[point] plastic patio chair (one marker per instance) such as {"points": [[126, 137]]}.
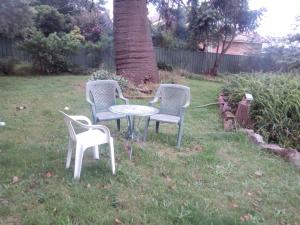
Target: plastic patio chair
{"points": [[94, 136], [174, 99], [101, 94]]}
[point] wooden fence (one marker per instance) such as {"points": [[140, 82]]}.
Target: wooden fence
{"points": [[192, 61]]}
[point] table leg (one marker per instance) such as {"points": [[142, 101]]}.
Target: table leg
{"points": [[131, 132]]}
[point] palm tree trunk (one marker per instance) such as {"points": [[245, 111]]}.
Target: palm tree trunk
{"points": [[134, 52]]}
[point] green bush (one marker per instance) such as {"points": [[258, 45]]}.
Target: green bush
{"points": [[276, 107], [7, 65], [23, 69], [48, 20], [106, 75], [51, 54]]}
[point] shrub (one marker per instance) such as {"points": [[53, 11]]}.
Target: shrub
{"points": [[49, 20], [106, 75], [164, 66], [23, 69], [50, 54], [7, 65], [275, 110]]}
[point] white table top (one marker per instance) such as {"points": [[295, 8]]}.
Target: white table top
{"points": [[133, 110]]}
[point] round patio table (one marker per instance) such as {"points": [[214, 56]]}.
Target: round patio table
{"points": [[133, 111]]}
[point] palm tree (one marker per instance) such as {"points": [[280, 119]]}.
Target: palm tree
{"points": [[134, 52]]}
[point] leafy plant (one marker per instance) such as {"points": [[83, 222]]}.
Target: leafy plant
{"points": [[276, 106], [49, 20], [50, 54], [7, 65], [106, 75]]}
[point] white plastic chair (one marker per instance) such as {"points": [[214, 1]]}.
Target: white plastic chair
{"points": [[94, 136]]}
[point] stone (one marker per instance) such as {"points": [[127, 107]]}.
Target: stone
{"points": [[257, 139], [243, 114], [228, 124]]}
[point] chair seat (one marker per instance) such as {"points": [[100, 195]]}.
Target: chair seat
{"points": [[91, 138], [165, 118], [102, 116]]}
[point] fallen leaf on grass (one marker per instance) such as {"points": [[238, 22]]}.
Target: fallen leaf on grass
{"points": [[48, 174], [258, 173], [246, 217], [117, 221], [233, 205], [197, 148], [15, 179], [250, 194]]}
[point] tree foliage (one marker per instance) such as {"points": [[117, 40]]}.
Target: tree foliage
{"points": [[15, 16], [49, 20], [220, 21], [50, 53], [94, 24], [286, 51]]}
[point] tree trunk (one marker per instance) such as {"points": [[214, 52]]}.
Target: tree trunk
{"points": [[134, 52]]}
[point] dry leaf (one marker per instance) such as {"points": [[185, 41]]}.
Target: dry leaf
{"points": [[233, 205], [117, 221], [48, 174], [246, 217], [15, 179], [250, 194], [197, 148], [258, 173]]}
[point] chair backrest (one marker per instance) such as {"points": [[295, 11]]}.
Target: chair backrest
{"points": [[68, 120], [102, 93], [172, 98]]}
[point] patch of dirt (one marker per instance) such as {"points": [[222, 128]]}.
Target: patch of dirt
{"points": [[12, 220], [172, 154]]}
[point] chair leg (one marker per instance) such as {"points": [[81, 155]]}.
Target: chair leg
{"points": [[96, 152], [179, 136], [112, 155], [146, 129], [156, 126], [69, 155], [78, 161], [119, 124]]}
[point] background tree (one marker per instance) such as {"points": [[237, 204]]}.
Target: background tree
{"points": [[15, 16], [220, 21], [286, 51], [49, 20], [134, 52]]}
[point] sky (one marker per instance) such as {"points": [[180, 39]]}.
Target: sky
{"points": [[277, 21]]}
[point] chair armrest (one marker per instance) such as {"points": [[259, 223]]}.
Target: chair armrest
{"points": [[183, 108], [151, 103], [82, 118], [124, 99], [102, 128], [90, 102]]}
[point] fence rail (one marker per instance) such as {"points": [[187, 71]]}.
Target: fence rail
{"points": [[192, 61]]}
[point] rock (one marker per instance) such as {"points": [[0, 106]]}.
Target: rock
{"points": [[228, 115], [226, 108], [243, 114], [257, 139], [272, 147], [228, 124]]}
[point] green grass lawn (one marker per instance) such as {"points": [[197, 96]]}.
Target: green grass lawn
{"points": [[211, 180]]}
